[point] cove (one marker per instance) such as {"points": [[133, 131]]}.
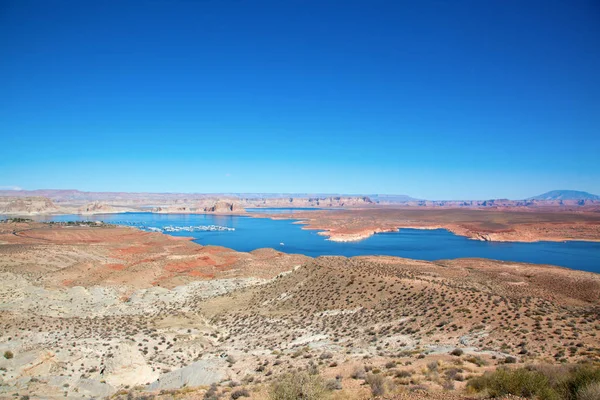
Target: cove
{"points": [[284, 235]]}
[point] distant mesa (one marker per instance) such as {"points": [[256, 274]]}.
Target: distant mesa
{"points": [[26, 205], [49, 201], [565, 195], [96, 207], [224, 207]]}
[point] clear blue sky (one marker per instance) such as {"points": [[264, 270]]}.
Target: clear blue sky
{"points": [[435, 99]]}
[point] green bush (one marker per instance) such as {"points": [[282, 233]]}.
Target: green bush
{"points": [[518, 382], [298, 386], [543, 382], [8, 354], [577, 379]]}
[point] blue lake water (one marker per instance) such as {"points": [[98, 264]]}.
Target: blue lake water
{"points": [[253, 233]]}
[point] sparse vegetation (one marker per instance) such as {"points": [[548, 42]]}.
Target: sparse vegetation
{"points": [[239, 393], [334, 384], [457, 352], [548, 383], [358, 373], [377, 383], [477, 360], [298, 386]]}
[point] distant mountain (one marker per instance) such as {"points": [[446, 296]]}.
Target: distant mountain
{"points": [[565, 195]]}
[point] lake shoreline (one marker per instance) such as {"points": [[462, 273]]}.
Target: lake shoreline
{"points": [[247, 233]]}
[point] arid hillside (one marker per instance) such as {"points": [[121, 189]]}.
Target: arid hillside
{"points": [[58, 255]]}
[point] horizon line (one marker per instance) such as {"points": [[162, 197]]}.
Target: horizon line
{"points": [[285, 194]]}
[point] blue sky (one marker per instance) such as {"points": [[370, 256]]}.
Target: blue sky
{"points": [[435, 99]]}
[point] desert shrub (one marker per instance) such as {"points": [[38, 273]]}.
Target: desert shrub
{"points": [[454, 374], [448, 385], [313, 369], [403, 374], [390, 364], [211, 393], [589, 392], [333, 384], [358, 373], [377, 384], [457, 352], [545, 383], [419, 388], [240, 393], [8, 354], [578, 378], [432, 366], [480, 362], [298, 386], [518, 382]]}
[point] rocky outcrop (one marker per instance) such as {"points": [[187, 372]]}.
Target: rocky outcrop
{"points": [[128, 367], [224, 207], [27, 206], [199, 373], [98, 208]]}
